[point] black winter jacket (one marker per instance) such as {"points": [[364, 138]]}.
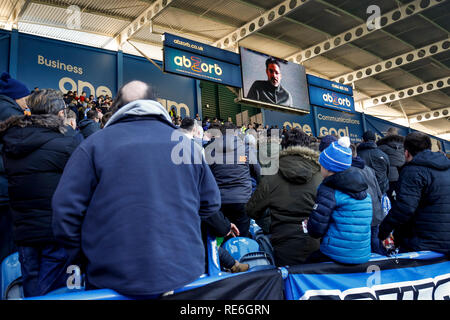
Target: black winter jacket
{"points": [[378, 161], [373, 189], [290, 195], [393, 147], [34, 153], [228, 159], [420, 217], [8, 108]]}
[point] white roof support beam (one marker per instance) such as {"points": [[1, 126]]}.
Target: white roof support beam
{"points": [[362, 30], [431, 115], [259, 22], [398, 61], [145, 17], [407, 93], [17, 12]]}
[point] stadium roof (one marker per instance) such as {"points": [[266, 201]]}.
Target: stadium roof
{"points": [[398, 64]]}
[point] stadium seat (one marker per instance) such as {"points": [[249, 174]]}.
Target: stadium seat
{"points": [[239, 246], [11, 274], [254, 259]]}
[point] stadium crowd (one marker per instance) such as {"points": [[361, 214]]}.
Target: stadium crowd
{"points": [[128, 191]]}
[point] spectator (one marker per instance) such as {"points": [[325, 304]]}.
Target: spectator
{"points": [[118, 225], [13, 95], [343, 211], [375, 193], [420, 216], [290, 196], [91, 124], [228, 160], [392, 145], [105, 119], [35, 153], [71, 126], [192, 130], [376, 159]]}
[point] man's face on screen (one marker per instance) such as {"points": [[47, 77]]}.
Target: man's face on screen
{"points": [[274, 74]]}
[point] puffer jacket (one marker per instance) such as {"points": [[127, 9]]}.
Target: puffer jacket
{"points": [[8, 108], [420, 217], [228, 159], [378, 161], [393, 147], [35, 153], [290, 195], [373, 189], [342, 215]]}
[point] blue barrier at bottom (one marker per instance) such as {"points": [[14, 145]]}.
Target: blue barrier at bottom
{"points": [[421, 275], [410, 276]]}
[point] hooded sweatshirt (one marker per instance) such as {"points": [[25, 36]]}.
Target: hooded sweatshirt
{"points": [[131, 209]]}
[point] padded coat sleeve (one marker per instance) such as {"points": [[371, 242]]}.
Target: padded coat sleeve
{"points": [[409, 192], [260, 200], [320, 216]]}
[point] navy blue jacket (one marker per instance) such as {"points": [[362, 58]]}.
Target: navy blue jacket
{"points": [[88, 127], [420, 217], [378, 161], [35, 153], [229, 163], [8, 108], [342, 216], [131, 209]]}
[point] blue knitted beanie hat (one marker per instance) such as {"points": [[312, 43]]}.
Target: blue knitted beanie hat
{"points": [[337, 156]]}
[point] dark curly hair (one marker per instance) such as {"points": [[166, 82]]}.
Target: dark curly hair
{"points": [[297, 137]]}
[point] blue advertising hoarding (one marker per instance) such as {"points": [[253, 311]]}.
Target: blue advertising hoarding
{"points": [[326, 98], [4, 51], [203, 68], [289, 120], [339, 123], [183, 99], [330, 85], [380, 127], [200, 61], [200, 48], [46, 63]]}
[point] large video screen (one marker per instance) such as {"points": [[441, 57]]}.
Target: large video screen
{"points": [[273, 81]]}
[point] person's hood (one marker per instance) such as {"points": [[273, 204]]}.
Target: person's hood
{"points": [[140, 108], [85, 122], [298, 164], [22, 135], [367, 145], [393, 141], [349, 181], [435, 160], [358, 162]]}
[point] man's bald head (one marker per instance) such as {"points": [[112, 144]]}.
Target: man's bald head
{"points": [[132, 91]]}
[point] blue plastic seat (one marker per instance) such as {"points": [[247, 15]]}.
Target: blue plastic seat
{"points": [[10, 271], [240, 246]]}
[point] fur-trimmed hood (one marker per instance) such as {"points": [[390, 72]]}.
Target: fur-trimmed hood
{"points": [[24, 134], [299, 164]]}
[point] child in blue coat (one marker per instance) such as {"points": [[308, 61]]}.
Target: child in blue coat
{"points": [[343, 211]]}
